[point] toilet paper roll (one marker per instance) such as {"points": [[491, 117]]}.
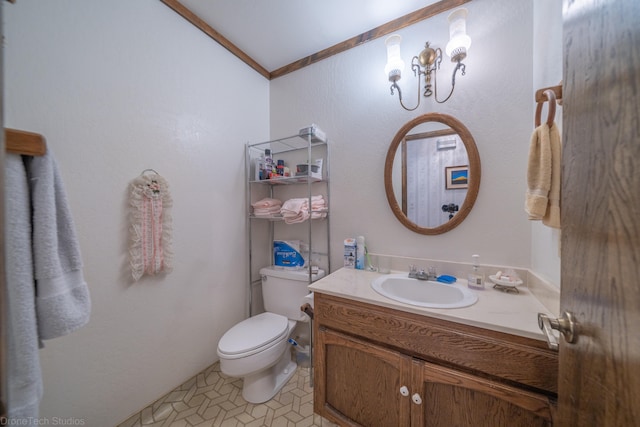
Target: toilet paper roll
{"points": [[308, 299]]}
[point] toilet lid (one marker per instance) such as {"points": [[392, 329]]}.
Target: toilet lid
{"points": [[254, 333]]}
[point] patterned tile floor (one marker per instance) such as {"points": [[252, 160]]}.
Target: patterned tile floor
{"points": [[213, 399]]}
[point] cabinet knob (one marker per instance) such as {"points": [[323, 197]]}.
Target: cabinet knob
{"points": [[404, 390], [416, 399]]}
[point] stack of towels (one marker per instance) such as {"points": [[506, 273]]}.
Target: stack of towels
{"points": [[293, 210], [267, 207], [298, 210]]}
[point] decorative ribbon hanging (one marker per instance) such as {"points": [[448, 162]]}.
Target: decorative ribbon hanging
{"points": [[150, 225]]}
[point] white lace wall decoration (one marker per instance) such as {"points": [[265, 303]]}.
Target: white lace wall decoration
{"points": [[150, 226]]}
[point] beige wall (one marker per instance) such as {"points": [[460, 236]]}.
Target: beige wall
{"points": [[348, 97], [117, 87], [547, 54], [120, 86]]}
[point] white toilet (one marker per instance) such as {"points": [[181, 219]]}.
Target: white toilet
{"points": [[257, 348]]}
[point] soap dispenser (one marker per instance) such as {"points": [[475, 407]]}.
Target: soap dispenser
{"points": [[475, 279]]}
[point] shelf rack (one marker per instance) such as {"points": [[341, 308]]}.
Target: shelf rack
{"points": [[293, 149]]}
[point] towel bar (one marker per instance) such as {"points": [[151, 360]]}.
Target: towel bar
{"points": [[550, 95]]}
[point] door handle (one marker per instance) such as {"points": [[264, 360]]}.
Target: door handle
{"points": [[566, 325]]}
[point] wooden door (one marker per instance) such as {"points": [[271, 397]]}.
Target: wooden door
{"points": [[359, 383], [3, 302], [600, 374], [452, 398]]}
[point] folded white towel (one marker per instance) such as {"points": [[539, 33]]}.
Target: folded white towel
{"points": [[46, 291], [302, 204], [267, 203], [296, 210], [24, 379], [267, 210], [301, 217], [272, 211], [294, 206], [267, 207], [63, 304]]}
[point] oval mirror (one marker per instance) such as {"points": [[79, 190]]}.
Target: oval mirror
{"points": [[432, 173]]}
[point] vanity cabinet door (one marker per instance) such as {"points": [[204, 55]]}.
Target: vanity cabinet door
{"points": [[453, 398], [358, 383]]}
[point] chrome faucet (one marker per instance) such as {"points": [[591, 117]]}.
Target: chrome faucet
{"points": [[413, 273], [421, 274]]}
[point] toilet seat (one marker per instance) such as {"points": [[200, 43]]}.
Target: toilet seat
{"points": [[253, 335]]}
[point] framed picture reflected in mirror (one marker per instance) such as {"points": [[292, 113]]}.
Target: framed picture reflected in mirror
{"points": [[456, 177]]}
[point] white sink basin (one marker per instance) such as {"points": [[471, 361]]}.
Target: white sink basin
{"points": [[423, 293]]}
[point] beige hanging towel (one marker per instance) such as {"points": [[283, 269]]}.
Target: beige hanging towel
{"points": [[150, 230], [538, 173], [552, 215], [543, 176]]}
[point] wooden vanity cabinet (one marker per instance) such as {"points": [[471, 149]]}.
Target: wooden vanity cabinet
{"points": [[379, 367]]}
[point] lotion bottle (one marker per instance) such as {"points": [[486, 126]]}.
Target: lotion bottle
{"points": [[268, 164], [475, 279], [360, 253]]}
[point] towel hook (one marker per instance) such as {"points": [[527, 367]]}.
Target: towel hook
{"points": [[551, 97]]}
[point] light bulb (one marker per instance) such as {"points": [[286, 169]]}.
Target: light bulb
{"points": [[395, 65], [459, 41]]}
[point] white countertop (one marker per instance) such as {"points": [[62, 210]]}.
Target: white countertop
{"points": [[515, 314]]}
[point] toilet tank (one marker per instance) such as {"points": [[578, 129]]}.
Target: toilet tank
{"points": [[283, 290]]}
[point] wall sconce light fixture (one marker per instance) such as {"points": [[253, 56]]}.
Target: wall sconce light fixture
{"points": [[428, 61]]}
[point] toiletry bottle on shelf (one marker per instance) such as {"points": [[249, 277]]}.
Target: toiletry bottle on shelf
{"points": [[259, 168], [475, 279], [268, 163], [360, 253]]}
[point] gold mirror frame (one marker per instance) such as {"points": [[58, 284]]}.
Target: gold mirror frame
{"points": [[474, 172]]}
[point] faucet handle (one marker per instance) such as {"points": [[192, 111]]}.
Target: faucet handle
{"points": [[412, 271]]}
